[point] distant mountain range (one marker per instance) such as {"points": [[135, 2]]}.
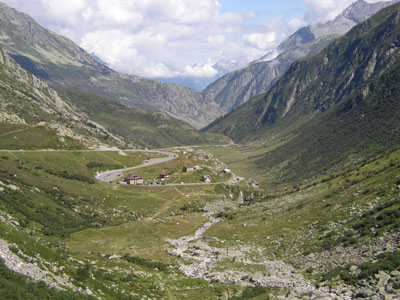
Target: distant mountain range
{"points": [[69, 118], [338, 105], [60, 62], [198, 83]]}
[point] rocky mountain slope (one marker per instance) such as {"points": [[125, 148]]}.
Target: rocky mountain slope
{"points": [[59, 61], [145, 129], [29, 102], [70, 118], [341, 102], [237, 87]]}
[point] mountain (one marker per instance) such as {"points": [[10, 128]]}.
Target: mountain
{"points": [[198, 83], [33, 115], [339, 105], [59, 61], [239, 86], [144, 129], [63, 118]]}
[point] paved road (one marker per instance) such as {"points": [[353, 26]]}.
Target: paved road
{"points": [[110, 176], [114, 174]]}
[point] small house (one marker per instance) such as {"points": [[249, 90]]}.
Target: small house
{"points": [[197, 168], [134, 178], [226, 171], [206, 179], [165, 176], [188, 169]]}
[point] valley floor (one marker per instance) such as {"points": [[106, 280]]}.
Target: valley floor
{"points": [[334, 237]]}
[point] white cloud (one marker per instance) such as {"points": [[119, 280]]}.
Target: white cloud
{"points": [[260, 40], [146, 37], [205, 71], [216, 40], [164, 37], [325, 10]]}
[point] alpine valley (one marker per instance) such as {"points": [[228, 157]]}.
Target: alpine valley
{"points": [[293, 194]]}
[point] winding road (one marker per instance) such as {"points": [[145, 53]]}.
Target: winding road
{"points": [[110, 176]]}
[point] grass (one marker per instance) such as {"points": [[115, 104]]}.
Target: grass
{"points": [[145, 239], [295, 220], [53, 185], [70, 217], [15, 287], [330, 122], [23, 137], [90, 222], [8, 128]]}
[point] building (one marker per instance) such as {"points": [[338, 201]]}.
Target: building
{"points": [[188, 169], [197, 168], [134, 178], [165, 176], [206, 179], [226, 171]]}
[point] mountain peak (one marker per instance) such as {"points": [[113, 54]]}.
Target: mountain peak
{"points": [[361, 10]]}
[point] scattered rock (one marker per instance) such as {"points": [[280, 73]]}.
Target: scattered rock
{"points": [[14, 223], [364, 293], [210, 239], [16, 264]]}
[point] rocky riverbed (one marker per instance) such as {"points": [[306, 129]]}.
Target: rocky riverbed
{"points": [[197, 259]]}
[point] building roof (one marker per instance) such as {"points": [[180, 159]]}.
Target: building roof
{"points": [[133, 176]]}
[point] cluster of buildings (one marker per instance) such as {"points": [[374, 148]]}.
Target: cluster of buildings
{"points": [[136, 179]]}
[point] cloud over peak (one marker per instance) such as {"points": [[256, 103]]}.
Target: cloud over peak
{"points": [[168, 38]]}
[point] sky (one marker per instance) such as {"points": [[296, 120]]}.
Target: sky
{"points": [[171, 38]]}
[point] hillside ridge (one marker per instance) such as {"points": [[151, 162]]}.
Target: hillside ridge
{"points": [[237, 87], [59, 61]]}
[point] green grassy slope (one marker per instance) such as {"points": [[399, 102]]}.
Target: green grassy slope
{"points": [[77, 224], [325, 227], [341, 102], [33, 116]]}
